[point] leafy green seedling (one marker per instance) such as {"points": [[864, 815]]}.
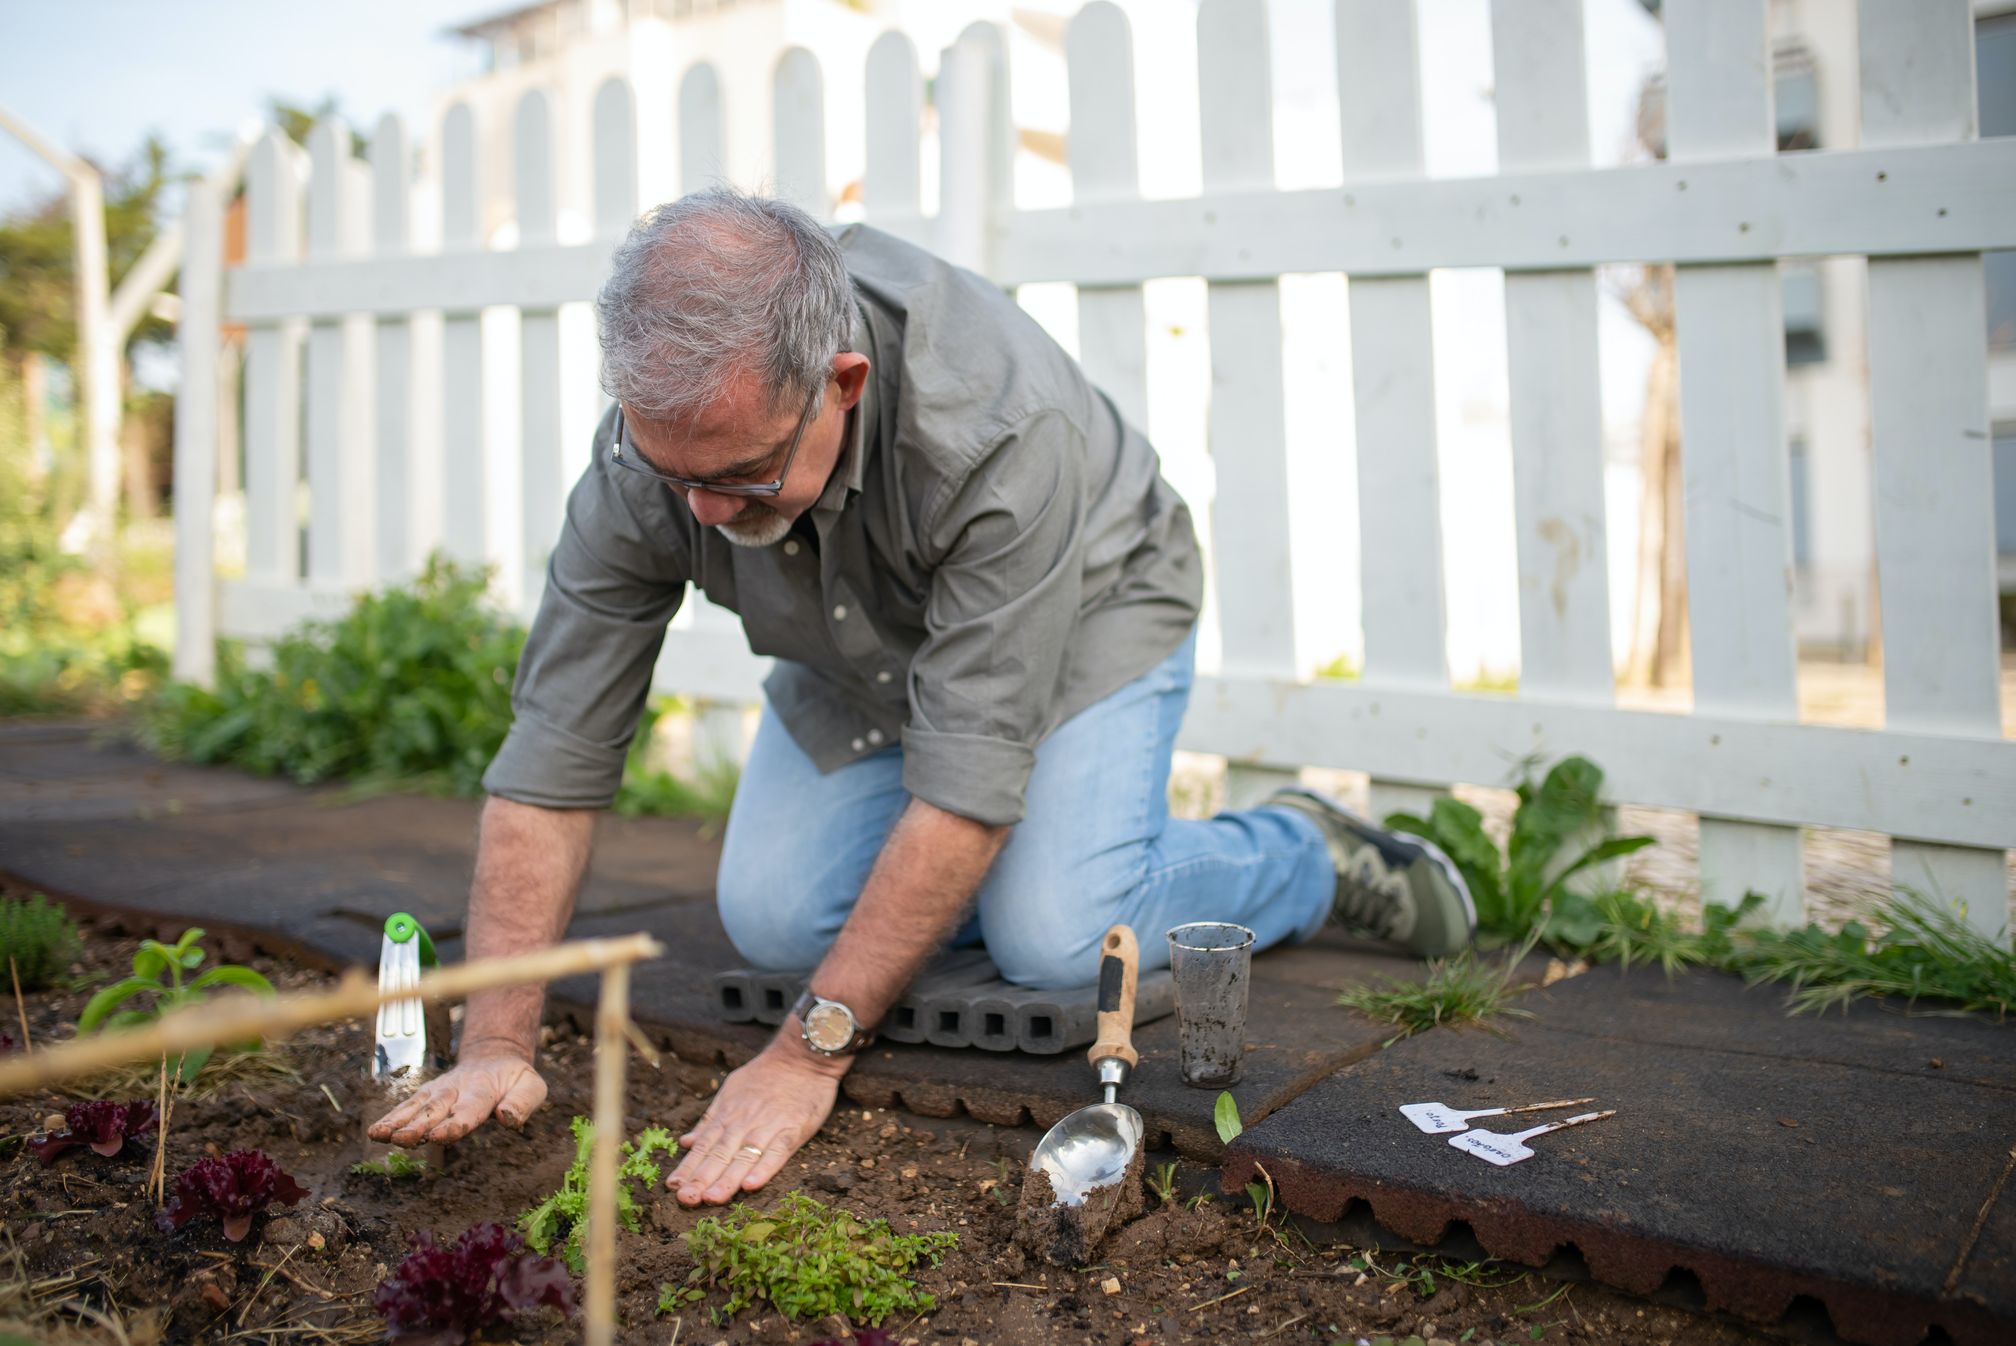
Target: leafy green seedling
{"points": [[397, 1164], [1225, 1116], [1163, 1183], [158, 972], [564, 1214], [808, 1260]]}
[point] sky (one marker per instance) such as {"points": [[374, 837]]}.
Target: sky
{"points": [[96, 75]]}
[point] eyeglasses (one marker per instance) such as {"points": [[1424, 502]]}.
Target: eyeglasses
{"points": [[624, 454]]}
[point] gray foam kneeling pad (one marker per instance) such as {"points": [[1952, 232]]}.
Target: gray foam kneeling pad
{"points": [[960, 1000]]}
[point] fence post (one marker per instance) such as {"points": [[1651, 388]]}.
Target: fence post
{"points": [[889, 183], [339, 462], [545, 491], [974, 146], [199, 336], [1731, 332], [1393, 379], [798, 122], [1251, 553], [391, 236], [273, 374], [1928, 395], [464, 460]]}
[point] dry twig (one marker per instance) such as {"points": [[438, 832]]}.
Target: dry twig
{"points": [[1220, 1300]]}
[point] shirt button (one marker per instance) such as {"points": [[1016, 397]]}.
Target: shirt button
{"points": [[840, 612], [884, 676], [791, 546], [874, 735], [859, 745]]}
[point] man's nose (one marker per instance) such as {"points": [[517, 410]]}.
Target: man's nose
{"points": [[710, 509]]}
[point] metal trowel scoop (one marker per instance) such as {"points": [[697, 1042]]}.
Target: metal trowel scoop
{"points": [[1088, 1154]]}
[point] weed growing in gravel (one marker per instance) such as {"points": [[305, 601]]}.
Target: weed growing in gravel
{"points": [[1468, 988], [1924, 952], [38, 938], [565, 1212], [807, 1260]]}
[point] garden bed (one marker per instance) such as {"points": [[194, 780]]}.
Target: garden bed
{"points": [[81, 1233]]}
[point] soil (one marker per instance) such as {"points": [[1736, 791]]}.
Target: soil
{"points": [[79, 1237]]}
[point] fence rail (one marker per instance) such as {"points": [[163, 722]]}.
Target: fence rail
{"points": [[333, 293]]}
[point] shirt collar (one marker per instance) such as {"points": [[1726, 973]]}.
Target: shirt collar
{"points": [[852, 469]]}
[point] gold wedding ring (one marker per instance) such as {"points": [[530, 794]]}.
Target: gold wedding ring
{"points": [[753, 1151]]}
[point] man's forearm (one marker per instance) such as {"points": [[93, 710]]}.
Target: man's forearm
{"points": [[529, 863], [928, 870]]}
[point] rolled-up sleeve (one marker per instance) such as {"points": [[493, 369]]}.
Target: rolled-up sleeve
{"points": [[1004, 599], [615, 578]]}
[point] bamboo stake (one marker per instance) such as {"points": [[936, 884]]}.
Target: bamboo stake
{"points": [[612, 1017], [243, 1018], [20, 1006]]}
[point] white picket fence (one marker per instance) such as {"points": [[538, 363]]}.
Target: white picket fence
{"points": [[1921, 198]]}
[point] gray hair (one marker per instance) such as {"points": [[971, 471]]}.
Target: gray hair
{"points": [[715, 285]]}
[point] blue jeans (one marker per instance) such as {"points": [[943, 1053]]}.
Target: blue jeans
{"points": [[1096, 846]]}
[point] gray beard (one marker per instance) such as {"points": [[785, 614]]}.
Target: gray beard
{"points": [[765, 530]]}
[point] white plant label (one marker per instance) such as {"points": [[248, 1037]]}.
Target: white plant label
{"points": [[1506, 1149], [1439, 1118]]}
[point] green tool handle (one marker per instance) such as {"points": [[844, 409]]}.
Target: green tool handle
{"points": [[400, 927]]}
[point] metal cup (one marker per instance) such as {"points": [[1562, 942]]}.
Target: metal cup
{"points": [[1212, 963]]}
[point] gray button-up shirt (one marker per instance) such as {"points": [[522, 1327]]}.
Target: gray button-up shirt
{"points": [[995, 551]]}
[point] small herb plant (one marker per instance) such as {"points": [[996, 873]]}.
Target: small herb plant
{"points": [[396, 1165], [563, 1215], [105, 1127], [232, 1189], [39, 938], [1524, 887], [158, 972], [807, 1260], [1163, 1183], [443, 1296], [1225, 1116]]}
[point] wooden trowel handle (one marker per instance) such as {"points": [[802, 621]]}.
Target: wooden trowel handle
{"points": [[1119, 966]]}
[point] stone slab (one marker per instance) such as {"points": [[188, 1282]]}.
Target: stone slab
{"points": [[1845, 1160]]}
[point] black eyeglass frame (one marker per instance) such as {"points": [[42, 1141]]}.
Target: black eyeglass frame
{"points": [[636, 462]]}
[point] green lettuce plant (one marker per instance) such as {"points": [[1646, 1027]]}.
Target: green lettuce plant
{"points": [[564, 1214], [158, 972]]}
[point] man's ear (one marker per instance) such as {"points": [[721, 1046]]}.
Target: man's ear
{"points": [[851, 369]]}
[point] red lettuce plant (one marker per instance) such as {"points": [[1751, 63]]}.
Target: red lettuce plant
{"points": [[443, 1296], [234, 1189], [105, 1127]]}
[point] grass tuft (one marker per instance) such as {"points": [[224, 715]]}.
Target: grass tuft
{"points": [[1466, 989]]}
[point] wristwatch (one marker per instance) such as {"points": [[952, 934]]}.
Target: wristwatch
{"points": [[829, 1027]]}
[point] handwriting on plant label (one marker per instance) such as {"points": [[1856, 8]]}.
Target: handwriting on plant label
{"points": [[1440, 1118]]}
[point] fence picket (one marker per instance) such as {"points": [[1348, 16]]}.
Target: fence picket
{"points": [[890, 184], [273, 374], [615, 147], [1733, 458], [338, 454], [463, 460], [1928, 394], [391, 234], [545, 485], [1251, 554], [975, 146], [1393, 378], [1112, 319], [196, 435], [799, 125], [703, 155]]}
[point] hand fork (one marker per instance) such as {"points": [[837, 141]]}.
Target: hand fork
{"points": [[402, 1024]]}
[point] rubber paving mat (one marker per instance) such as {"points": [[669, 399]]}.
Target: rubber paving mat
{"points": [[1852, 1160]]}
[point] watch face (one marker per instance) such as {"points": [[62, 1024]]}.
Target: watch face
{"points": [[829, 1027]]}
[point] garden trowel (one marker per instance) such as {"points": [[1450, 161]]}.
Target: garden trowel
{"points": [[412, 1038]]}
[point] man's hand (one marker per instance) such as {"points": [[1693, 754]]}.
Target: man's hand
{"points": [[452, 1105], [773, 1104]]}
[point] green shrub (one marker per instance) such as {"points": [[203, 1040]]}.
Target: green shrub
{"points": [[1524, 886], [807, 1260], [564, 1214], [412, 685], [39, 937]]}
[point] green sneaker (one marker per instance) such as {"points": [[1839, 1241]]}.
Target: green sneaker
{"points": [[1395, 888]]}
